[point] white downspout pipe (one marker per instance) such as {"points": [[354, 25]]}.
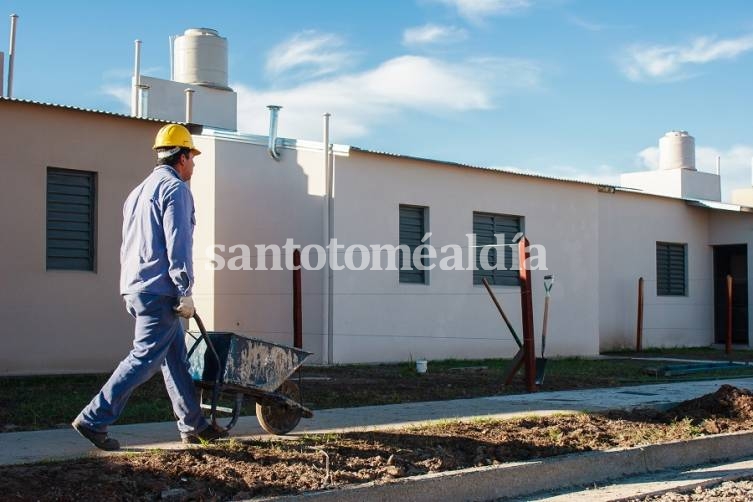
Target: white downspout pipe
{"points": [[274, 110], [136, 79], [329, 230], [326, 292], [11, 53]]}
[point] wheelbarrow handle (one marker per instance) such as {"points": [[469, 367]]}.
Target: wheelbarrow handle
{"points": [[208, 341], [216, 386]]}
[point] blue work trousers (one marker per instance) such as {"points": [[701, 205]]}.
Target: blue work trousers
{"points": [[158, 343]]}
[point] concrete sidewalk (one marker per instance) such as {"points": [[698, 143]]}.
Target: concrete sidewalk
{"points": [[26, 447]]}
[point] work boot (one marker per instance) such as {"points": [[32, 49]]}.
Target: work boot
{"points": [[207, 435], [98, 439]]}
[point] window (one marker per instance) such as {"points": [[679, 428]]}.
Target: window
{"points": [[71, 199], [412, 230], [504, 260], [671, 265]]}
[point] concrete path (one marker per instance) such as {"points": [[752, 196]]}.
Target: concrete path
{"points": [[655, 484], [26, 447]]}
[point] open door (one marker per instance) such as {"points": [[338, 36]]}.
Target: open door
{"points": [[731, 260]]}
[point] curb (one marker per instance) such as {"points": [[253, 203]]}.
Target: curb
{"points": [[554, 473]]}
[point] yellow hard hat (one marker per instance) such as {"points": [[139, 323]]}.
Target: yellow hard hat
{"points": [[174, 135]]}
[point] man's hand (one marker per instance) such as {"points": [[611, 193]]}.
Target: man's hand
{"points": [[185, 307]]}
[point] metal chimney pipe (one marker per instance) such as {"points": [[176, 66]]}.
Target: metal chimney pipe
{"points": [[718, 165], [189, 105], [2, 72], [11, 53], [143, 101], [274, 110], [136, 78], [751, 171]]}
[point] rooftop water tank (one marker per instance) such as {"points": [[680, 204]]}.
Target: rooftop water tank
{"points": [[200, 57], [677, 151]]}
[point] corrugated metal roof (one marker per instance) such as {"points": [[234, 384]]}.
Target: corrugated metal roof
{"points": [[602, 187], [88, 110], [482, 168]]}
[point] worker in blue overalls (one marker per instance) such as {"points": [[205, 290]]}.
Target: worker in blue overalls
{"points": [[156, 278]]}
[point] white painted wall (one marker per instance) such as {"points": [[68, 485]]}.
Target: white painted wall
{"points": [[211, 107], [629, 227], [257, 200], [679, 183], [378, 319]]}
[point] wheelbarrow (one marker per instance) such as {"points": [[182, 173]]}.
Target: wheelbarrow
{"points": [[235, 366]]}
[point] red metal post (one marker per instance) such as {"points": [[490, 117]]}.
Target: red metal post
{"points": [[526, 301], [728, 345], [297, 308], [639, 326]]}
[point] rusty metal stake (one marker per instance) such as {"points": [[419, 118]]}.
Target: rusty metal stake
{"points": [[639, 325], [728, 345], [297, 302], [526, 303]]}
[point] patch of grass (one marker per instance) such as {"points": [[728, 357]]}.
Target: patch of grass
{"points": [[41, 402]]}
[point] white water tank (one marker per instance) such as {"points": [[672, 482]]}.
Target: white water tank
{"points": [[677, 151], [200, 57]]}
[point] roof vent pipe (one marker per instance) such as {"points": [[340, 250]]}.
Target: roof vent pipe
{"points": [[136, 78], [11, 53], [718, 165], [189, 105], [274, 110], [143, 101]]}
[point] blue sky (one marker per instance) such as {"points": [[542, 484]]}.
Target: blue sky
{"points": [[570, 88]]}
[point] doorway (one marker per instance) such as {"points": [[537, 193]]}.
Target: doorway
{"points": [[731, 260]]}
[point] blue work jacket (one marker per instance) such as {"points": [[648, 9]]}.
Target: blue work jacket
{"points": [[158, 219]]}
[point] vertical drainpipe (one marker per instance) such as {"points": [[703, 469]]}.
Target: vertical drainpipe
{"points": [[326, 295], [274, 110], [136, 79], [328, 286], [11, 53]]}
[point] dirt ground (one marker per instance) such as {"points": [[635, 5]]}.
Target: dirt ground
{"points": [[244, 469]]}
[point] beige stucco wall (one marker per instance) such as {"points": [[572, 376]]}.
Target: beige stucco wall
{"points": [[64, 321], [379, 319], [258, 200], [629, 227]]}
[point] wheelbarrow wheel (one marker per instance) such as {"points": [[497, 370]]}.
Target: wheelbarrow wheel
{"points": [[277, 418]]}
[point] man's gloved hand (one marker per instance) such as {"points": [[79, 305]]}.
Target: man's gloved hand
{"points": [[185, 307]]}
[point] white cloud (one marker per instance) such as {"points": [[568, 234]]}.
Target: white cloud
{"points": [[121, 93], [671, 62], [585, 24], [433, 34], [361, 101], [735, 164], [308, 54], [477, 10]]}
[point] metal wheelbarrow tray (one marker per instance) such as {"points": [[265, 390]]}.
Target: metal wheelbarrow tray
{"points": [[231, 364]]}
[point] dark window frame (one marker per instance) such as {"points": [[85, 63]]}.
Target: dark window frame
{"points": [[671, 269], [412, 239], [507, 224], [71, 219]]}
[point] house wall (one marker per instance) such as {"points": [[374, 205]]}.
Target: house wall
{"points": [[64, 321], [629, 227], [735, 228], [258, 201], [379, 319]]}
